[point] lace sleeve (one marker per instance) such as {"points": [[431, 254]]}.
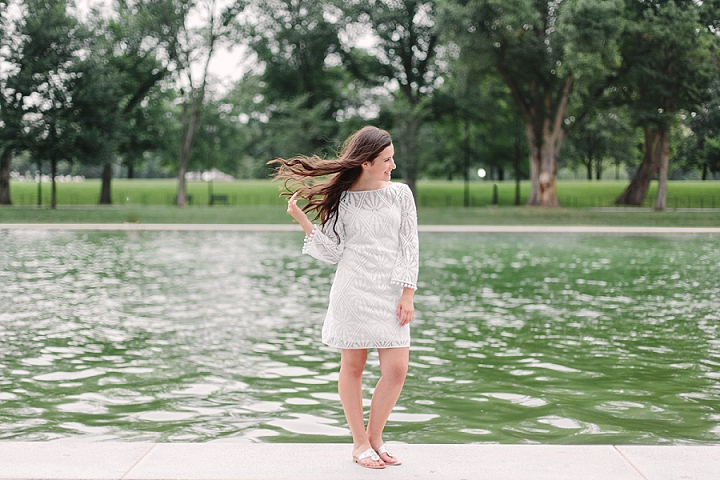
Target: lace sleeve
{"points": [[321, 246], [405, 271]]}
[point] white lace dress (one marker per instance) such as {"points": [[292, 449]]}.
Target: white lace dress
{"points": [[376, 251]]}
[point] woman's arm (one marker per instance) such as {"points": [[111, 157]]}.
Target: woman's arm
{"points": [[405, 270], [406, 308], [317, 244], [299, 216]]}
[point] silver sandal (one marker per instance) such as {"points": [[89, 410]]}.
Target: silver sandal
{"points": [[372, 455], [383, 449]]}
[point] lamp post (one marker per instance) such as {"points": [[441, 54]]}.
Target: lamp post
{"points": [[481, 173]]}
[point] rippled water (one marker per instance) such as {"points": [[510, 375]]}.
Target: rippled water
{"points": [[166, 336]]}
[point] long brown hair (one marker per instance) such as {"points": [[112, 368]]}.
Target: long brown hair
{"points": [[324, 198]]}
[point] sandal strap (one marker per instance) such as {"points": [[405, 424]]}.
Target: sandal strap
{"points": [[369, 453], [383, 449]]}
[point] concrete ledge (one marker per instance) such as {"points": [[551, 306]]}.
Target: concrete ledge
{"points": [[421, 228], [267, 461]]}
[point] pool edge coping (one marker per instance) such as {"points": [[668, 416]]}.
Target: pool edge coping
{"points": [[421, 228], [67, 459]]}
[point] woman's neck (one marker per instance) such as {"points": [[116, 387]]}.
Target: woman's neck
{"points": [[368, 184]]}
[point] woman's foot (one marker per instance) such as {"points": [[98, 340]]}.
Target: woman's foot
{"points": [[387, 457], [368, 458]]}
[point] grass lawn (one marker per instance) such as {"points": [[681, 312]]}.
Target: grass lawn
{"points": [[582, 193], [149, 192], [439, 203]]}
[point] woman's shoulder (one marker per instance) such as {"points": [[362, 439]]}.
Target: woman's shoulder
{"points": [[403, 189], [395, 187]]}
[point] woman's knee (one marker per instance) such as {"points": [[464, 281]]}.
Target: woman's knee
{"points": [[395, 371], [352, 363]]}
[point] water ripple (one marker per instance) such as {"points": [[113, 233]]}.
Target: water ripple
{"points": [[162, 336]]}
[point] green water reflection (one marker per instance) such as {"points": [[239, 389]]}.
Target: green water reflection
{"points": [[165, 336]]}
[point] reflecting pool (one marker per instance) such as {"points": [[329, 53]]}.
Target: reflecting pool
{"points": [[202, 336]]}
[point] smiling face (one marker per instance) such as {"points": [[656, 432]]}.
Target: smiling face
{"points": [[379, 170]]}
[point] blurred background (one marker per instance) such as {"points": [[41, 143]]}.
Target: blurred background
{"points": [[579, 104]]}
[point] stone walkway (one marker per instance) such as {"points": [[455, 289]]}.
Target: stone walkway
{"points": [[273, 461]]}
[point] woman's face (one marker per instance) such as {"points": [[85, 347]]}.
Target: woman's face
{"points": [[382, 166]]}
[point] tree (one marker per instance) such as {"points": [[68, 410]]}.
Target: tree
{"points": [[666, 68], [476, 125], [7, 132], [300, 94], [405, 59], [111, 84], [96, 91], [702, 147], [150, 127], [556, 57], [37, 95], [187, 33], [605, 135], [216, 145]]}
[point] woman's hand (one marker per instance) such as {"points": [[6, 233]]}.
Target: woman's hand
{"points": [[406, 309], [299, 216]]}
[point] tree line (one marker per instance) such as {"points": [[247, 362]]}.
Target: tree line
{"points": [[518, 87]]}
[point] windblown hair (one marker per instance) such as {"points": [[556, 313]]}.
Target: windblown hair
{"points": [[324, 198]]}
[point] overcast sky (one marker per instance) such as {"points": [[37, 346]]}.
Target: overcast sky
{"points": [[228, 65]]}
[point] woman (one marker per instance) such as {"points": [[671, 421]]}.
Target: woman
{"points": [[369, 228]]}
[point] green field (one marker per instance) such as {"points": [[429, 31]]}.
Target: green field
{"points": [[681, 194], [149, 192], [439, 203]]}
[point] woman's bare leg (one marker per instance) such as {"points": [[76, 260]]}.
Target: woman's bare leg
{"points": [[393, 369], [352, 364]]}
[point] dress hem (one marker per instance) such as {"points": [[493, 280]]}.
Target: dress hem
{"points": [[364, 348]]}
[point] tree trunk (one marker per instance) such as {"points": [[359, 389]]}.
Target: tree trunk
{"points": [[466, 164], [664, 164], [543, 165], [5, 165], [545, 135], [39, 183], [105, 198], [704, 172], [544, 129], [635, 193], [408, 142], [131, 170], [598, 169], [53, 188], [588, 165], [517, 171], [190, 120]]}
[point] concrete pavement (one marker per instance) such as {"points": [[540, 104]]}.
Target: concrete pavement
{"points": [[272, 461]]}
